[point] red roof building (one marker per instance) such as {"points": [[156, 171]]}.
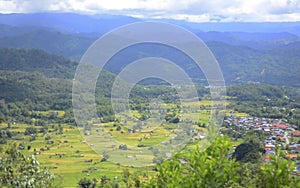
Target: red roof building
{"points": [[296, 133], [291, 156], [280, 126]]}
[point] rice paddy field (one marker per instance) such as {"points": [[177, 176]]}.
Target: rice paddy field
{"points": [[72, 154]]}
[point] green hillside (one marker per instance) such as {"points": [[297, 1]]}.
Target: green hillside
{"points": [[36, 60], [55, 42]]}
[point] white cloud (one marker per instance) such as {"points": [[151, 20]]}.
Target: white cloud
{"points": [[191, 10]]}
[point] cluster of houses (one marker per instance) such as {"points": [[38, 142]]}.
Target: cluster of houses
{"points": [[277, 132]]}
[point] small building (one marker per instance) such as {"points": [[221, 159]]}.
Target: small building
{"points": [[296, 133], [291, 156], [280, 126]]}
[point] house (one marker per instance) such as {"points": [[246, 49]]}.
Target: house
{"points": [[295, 146], [291, 156], [268, 148], [296, 133], [280, 126]]}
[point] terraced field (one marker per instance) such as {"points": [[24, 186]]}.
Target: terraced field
{"points": [[72, 156]]}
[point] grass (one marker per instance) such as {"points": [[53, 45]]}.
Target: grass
{"points": [[63, 157], [60, 113], [67, 156], [236, 114]]}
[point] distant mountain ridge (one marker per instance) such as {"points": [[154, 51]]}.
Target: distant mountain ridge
{"points": [[278, 65], [101, 23], [54, 42], [253, 40], [253, 52], [67, 22], [74, 45]]}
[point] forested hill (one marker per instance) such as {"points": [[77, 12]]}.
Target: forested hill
{"points": [[32, 79], [279, 66], [259, 54], [35, 60], [55, 42], [239, 62], [35, 88]]}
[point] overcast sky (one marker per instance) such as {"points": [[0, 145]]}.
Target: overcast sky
{"points": [[190, 10]]}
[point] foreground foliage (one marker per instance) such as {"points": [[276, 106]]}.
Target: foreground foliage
{"points": [[18, 170], [215, 168]]}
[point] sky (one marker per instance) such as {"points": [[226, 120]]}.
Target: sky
{"points": [[189, 10]]}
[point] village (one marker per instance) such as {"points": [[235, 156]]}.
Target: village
{"points": [[277, 133]]}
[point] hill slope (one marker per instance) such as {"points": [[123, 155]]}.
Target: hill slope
{"points": [[51, 41], [35, 60], [243, 64]]}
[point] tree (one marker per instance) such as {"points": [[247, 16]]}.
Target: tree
{"points": [[123, 147], [248, 152], [1, 120], [18, 170], [277, 173], [85, 183], [172, 117], [210, 168], [30, 130], [215, 168], [105, 156], [131, 180]]}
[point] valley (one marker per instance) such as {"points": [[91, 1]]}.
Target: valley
{"points": [[251, 139]]}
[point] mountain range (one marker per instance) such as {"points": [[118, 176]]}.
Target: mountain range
{"points": [[102, 23], [247, 52]]}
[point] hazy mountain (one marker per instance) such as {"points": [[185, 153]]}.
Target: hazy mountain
{"points": [[67, 22], [77, 23], [277, 66], [249, 27], [52, 41], [247, 52], [73, 46], [254, 40], [8, 30]]}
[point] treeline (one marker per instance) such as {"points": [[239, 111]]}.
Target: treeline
{"points": [[266, 101]]}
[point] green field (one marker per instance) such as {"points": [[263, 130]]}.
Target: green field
{"points": [[58, 113], [71, 156], [68, 155]]}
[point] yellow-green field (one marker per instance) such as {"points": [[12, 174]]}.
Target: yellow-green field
{"points": [[71, 157], [67, 156], [59, 113]]}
